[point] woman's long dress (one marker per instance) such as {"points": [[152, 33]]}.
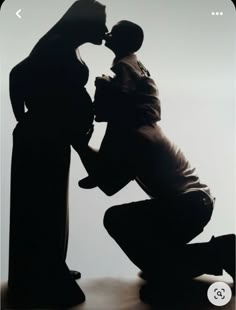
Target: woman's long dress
{"points": [[59, 111]]}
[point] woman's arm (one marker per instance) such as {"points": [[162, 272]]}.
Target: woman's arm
{"points": [[16, 89]]}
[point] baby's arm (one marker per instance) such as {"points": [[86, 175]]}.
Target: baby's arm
{"points": [[101, 83], [88, 182]]}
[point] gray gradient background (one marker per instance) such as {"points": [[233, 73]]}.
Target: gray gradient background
{"points": [[191, 55]]}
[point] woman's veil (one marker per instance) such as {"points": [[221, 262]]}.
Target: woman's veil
{"points": [[80, 12]]}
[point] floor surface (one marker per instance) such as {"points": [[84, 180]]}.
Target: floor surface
{"points": [[122, 294]]}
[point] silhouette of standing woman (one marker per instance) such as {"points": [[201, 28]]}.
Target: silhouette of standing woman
{"points": [[53, 109]]}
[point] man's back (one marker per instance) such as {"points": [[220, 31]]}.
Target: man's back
{"points": [[161, 167]]}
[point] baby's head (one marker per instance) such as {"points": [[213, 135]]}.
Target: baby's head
{"points": [[125, 38]]}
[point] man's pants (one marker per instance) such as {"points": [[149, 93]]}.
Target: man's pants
{"points": [[155, 235]]}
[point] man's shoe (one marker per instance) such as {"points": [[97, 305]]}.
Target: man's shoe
{"points": [[147, 294], [224, 248], [75, 274], [176, 293]]}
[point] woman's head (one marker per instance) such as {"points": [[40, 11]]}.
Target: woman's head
{"points": [[125, 37], [84, 21]]}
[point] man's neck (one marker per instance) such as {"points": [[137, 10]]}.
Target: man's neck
{"points": [[120, 56]]}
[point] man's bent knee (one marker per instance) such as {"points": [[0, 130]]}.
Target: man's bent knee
{"points": [[111, 218]]}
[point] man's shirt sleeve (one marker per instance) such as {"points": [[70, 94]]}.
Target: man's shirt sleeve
{"points": [[124, 80]]}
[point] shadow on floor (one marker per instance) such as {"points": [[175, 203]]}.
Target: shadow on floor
{"points": [[123, 294]]}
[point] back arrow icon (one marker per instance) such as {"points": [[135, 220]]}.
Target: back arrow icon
{"points": [[18, 13]]}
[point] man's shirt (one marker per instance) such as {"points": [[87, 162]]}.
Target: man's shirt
{"points": [[146, 155]]}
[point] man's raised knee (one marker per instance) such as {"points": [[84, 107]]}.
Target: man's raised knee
{"points": [[110, 218]]}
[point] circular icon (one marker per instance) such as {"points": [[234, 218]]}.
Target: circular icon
{"points": [[219, 293]]}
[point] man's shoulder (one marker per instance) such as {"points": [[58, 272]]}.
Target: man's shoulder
{"points": [[149, 132], [128, 63]]}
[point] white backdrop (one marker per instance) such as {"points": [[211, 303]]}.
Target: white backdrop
{"points": [[191, 55]]}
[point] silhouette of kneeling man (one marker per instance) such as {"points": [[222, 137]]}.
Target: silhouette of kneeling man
{"points": [[154, 233]]}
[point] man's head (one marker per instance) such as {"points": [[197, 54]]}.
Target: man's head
{"points": [[125, 38]]}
